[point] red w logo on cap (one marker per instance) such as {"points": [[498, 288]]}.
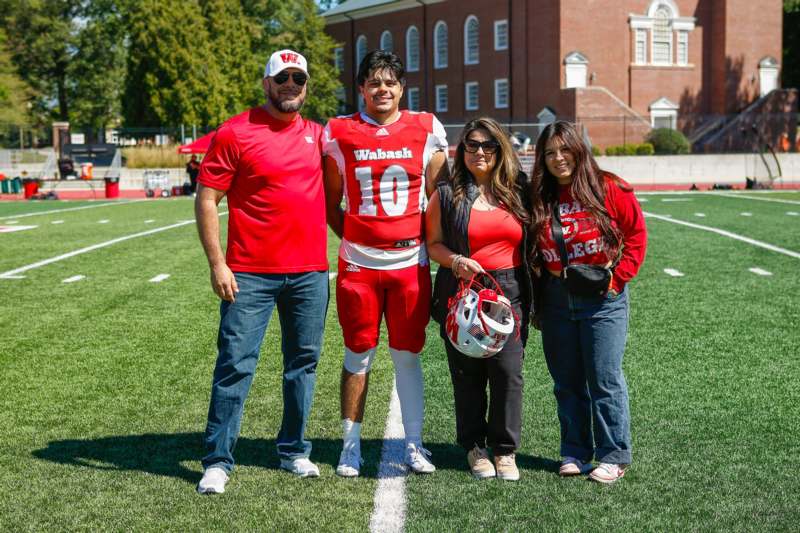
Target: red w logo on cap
{"points": [[289, 58]]}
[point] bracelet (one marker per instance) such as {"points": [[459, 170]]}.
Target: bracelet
{"points": [[456, 260]]}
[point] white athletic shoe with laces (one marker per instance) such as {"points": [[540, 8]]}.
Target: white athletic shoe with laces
{"points": [[349, 462], [300, 466], [573, 467], [607, 473], [213, 482], [417, 459]]}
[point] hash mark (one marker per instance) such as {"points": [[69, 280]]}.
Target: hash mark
{"points": [[674, 273], [760, 271], [73, 279]]}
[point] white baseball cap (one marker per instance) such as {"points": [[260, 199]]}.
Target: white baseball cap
{"points": [[283, 59]]}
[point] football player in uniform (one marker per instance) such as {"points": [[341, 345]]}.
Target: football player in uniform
{"points": [[385, 162]]}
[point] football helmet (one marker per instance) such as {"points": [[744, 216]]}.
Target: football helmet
{"points": [[480, 319]]}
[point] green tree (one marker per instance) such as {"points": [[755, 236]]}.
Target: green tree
{"points": [[791, 43], [231, 36], [96, 72], [170, 68], [42, 35], [14, 93]]}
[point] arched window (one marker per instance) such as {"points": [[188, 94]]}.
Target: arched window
{"points": [[412, 49], [440, 45], [662, 36], [361, 49], [471, 56], [386, 41]]}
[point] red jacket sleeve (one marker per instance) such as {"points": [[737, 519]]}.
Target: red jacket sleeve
{"points": [[220, 163], [627, 215]]}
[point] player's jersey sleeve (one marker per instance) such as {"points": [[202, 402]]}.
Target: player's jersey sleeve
{"points": [[220, 163], [331, 148], [436, 142]]}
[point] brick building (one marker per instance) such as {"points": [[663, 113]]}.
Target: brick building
{"points": [[619, 67]]}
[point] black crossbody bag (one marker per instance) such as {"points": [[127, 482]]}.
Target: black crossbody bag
{"points": [[581, 280]]}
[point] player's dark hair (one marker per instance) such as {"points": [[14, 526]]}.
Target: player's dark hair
{"points": [[378, 60]]}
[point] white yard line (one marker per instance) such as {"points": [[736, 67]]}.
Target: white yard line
{"points": [[676, 199], [732, 235], [792, 213], [57, 222], [760, 271], [73, 279], [674, 273], [389, 504], [12, 221], [159, 278], [12, 229], [776, 200], [11, 274], [331, 275], [105, 204]]}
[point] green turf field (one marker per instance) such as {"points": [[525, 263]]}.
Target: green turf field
{"points": [[106, 383]]}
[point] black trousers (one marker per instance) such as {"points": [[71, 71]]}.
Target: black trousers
{"points": [[503, 373]]}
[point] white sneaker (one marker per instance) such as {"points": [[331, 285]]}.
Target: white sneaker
{"points": [[607, 473], [573, 467], [349, 462], [300, 466], [417, 459], [213, 481]]}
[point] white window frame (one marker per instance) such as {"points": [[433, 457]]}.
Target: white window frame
{"points": [[471, 106], [576, 67], [768, 71], [412, 60], [338, 58], [440, 56], [497, 25], [664, 108], [683, 48], [387, 35], [671, 43], [640, 37], [413, 95], [439, 91], [476, 52], [361, 44], [498, 104]]}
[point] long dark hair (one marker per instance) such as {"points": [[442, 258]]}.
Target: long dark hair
{"points": [[504, 178], [588, 186]]}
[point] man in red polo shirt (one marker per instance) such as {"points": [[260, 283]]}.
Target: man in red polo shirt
{"points": [[268, 163]]}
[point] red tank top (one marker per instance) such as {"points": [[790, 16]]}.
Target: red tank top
{"points": [[495, 239]]}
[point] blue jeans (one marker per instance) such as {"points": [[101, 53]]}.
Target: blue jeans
{"points": [[302, 301], [584, 340]]}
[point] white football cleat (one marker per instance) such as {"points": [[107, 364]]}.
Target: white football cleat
{"points": [[349, 462], [417, 459], [213, 482], [300, 466]]}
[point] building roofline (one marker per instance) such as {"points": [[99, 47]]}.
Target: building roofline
{"points": [[359, 9]]}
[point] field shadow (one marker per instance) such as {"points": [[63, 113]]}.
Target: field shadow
{"points": [[165, 454], [447, 456]]}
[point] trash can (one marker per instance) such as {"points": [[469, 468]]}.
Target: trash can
{"points": [[87, 171], [112, 187], [31, 187], [16, 186], [5, 186]]}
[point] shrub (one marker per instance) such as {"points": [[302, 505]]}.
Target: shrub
{"points": [[166, 156], [645, 149], [613, 150], [596, 151], [629, 149], [668, 141]]}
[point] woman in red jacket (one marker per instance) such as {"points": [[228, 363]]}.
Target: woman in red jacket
{"points": [[584, 335]]}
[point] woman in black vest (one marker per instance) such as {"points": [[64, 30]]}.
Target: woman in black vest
{"points": [[476, 222]]}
